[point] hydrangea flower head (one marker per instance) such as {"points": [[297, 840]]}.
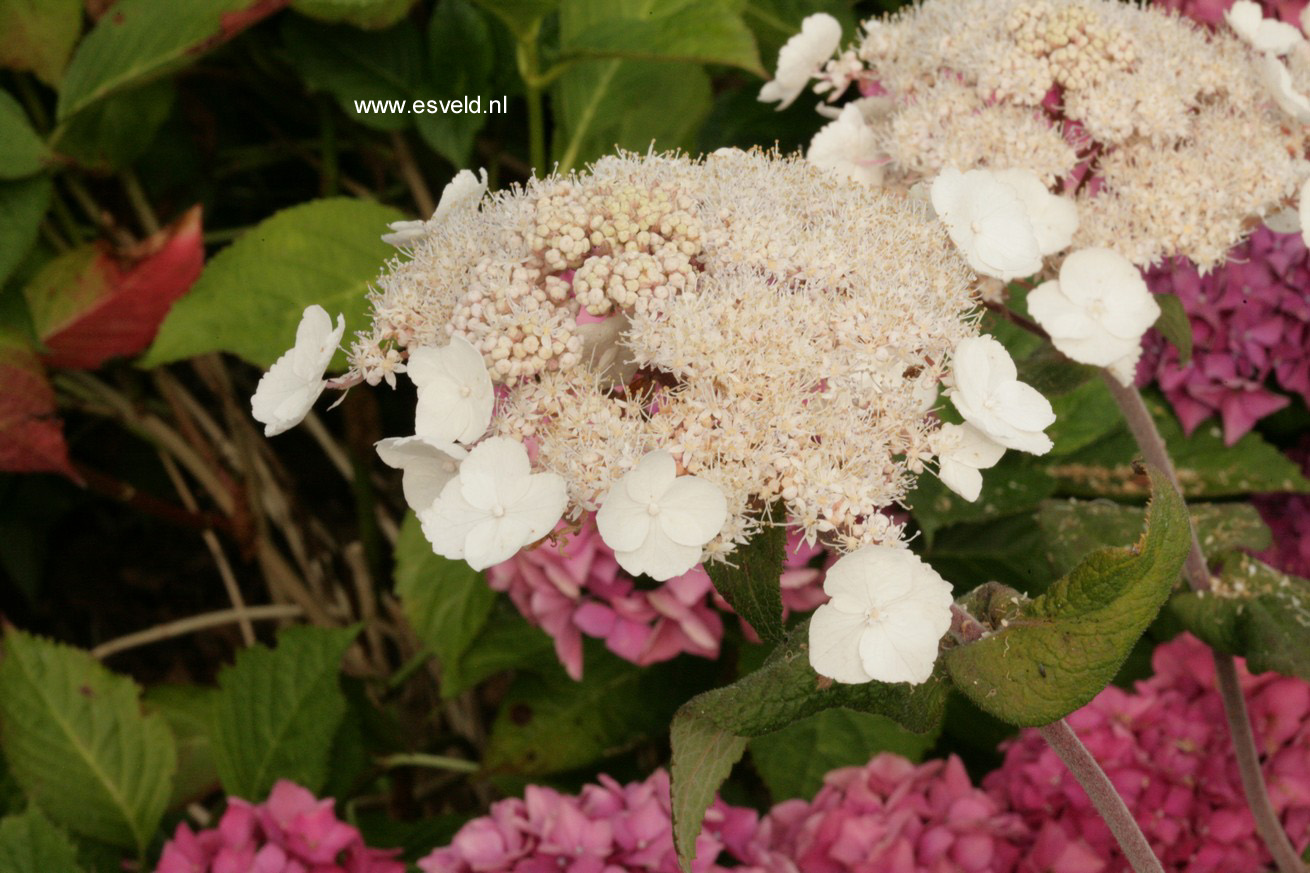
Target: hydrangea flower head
{"points": [[287, 392]]}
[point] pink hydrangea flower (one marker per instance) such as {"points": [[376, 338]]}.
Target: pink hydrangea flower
{"points": [[1250, 324], [291, 832], [574, 586], [1288, 517], [1166, 749], [1211, 12]]}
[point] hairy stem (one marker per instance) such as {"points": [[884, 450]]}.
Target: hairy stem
{"points": [[1103, 796], [1197, 574]]}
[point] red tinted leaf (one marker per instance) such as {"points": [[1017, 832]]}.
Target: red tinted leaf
{"points": [[31, 434], [88, 307], [232, 23]]}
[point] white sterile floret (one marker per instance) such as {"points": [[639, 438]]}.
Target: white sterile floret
{"points": [[1286, 219], [990, 397], [658, 522], [287, 392], [404, 232], [1098, 310], [962, 451], [494, 506], [988, 222], [426, 466], [1278, 81], [462, 192], [885, 619], [1054, 218], [455, 397], [801, 58], [848, 147], [1247, 20]]}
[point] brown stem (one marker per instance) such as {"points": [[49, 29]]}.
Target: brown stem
{"points": [[150, 505], [1197, 574], [1113, 810]]}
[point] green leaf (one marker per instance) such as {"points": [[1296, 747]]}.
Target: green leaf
{"points": [[188, 711], [250, 298], [522, 17], [1206, 467], [793, 761], [1057, 652], [22, 206], [507, 642], [549, 723], [39, 35], [1010, 550], [77, 743], [1015, 485], [1254, 611], [446, 602], [277, 712], [1082, 416], [462, 51], [1174, 324], [352, 66], [703, 755], [692, 31], [22, 153], [368, 14], [30, 843], [142, 40], [114, 132], [751, 583], [1073, 528]]}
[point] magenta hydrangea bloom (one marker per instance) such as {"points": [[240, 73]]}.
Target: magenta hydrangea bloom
{"points": [[608, 828], [1166, 749], [574, 586], [1288, 517], [291, 832], [1250, 325]]}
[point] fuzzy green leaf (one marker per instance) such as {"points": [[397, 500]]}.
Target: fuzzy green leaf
{"points": [[30, 843], [278, 710], [250, 297], [1254, 611], [77, 743], [188, 710], [703, 755], [1060, 650], [751, 584], [506, 642]]}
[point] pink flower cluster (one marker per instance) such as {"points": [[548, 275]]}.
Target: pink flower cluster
{"points": [[291, 832], [575, 587], [1211, 12], [608, 828], [1288, 517], [1165, 746], [1166, 749], [1250, 323]]}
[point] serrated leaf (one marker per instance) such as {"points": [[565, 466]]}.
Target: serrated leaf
{"points": [[703, 755], [1175, 326], [188, 711], [691, 31], [140, 41], [751, 584], [278, 710], [793, 761], [22, 153], [250, 297], [112, 133], [368, 14], [1254, 611], [446, 602], [506, 642], [77, 743], [22, 206], [1073, 528], [39, 35], [30, 843], [1062, 648]]}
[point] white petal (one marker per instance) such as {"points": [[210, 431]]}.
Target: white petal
{"points": [[403, 233], [659, 557], [427, 466], [1125, 368], [1286, 219], [1278, 81], [964, 480], [1244, 18], [1024, 407], [1276, 37], [494, 540], [282, 398], [455, 394], [835, 645], [1059, 316], [462, 192], [495, 473], [1103, 277], [892, 653], [692, 511], [623, 522], [654, 473], [1054, 219], [1005, 246], [1100, 348], [541, 505], [976, 449], [801, 58], [947, 191], [447, 522], [848, 147]]}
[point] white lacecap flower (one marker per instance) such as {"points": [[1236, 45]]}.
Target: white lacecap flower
{"points": [[988, 223], [1099, 308], [426, 466], [885, 619], [287, 392], [848, 147], [962, 451], [1264, 34], [990, 397], [658, 522], [494, 506], [801, 58], [1054, 218], [1303, 211], [1278, 80], [462, 192], [455, 396]]}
